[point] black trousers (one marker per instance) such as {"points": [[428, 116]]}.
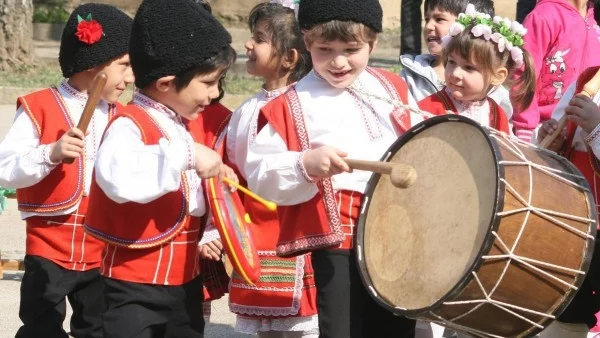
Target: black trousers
{"points": [[45, 286], [523, 8], [410, 26], [345, 308], [136, 310]]}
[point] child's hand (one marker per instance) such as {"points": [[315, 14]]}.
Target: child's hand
{"points": [[325, 162], [211, 250], [226, 171], [547, 129], [584, 112], [208, 161], [70, 145]]}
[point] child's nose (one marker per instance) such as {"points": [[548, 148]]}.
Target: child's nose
{"points": [[339, 61], [248, 44]]}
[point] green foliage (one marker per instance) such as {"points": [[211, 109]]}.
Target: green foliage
{"points": [[50, 14]]}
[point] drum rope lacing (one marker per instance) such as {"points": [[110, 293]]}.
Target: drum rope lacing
{"points": [[510, 252]]}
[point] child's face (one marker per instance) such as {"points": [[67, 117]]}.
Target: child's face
{"points": [[465, 79], [118, 76], [437, 25], [190, 101], [259, 49], [339, 62]]}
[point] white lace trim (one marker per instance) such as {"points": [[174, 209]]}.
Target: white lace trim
{"points": [[251, 325], [273, 311]]}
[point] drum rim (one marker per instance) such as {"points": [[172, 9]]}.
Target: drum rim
{"points": [[488, 240]]}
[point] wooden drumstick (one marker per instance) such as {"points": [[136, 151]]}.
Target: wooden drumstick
{"points": [[88, 111], [268, 204], [589, 89], [401, 175]]}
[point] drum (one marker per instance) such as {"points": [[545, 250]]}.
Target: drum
{"points": [[230, 219], [493, 239]]}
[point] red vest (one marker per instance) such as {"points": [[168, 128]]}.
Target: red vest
{"points": [[63, 187], [586, 162], [153, 243], [439, 103], [314, 224], [58, 238]]}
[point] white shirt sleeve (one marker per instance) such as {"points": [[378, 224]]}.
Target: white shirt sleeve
{"points": [[275, 173], [127, 170], [23, 161]]}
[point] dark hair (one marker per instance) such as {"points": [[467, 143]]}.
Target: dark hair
{"points": [[486, 55], [221, 61], [285, 34], [597, 11], [460, 6]]}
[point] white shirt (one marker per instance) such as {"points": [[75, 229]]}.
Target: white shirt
{"points": [[242, 128], [127, 170], [25, 162], [358, 124]]}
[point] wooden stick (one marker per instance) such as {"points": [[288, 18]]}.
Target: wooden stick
{"points": [[269, 204], [401, 175], [589, 89], [88, 111]]}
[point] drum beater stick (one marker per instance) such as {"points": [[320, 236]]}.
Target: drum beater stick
{"points": [[269, 204], [94, 97], [589, 89], [401, 175]]}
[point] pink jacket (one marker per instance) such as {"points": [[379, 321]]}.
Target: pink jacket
{"points": [[562, 45]]}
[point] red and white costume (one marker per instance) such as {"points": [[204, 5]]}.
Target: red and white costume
{"points": [[487, 112], [284, 297], [147, 198], [53, 197], [322, 214]]}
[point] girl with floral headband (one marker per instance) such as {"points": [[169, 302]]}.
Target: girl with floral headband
{"points": [[480, 54]]}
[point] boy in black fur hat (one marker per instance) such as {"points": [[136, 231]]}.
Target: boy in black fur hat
{"points": [[61, 261], [303, 136], [147, 198]]}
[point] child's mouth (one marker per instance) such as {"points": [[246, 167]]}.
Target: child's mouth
{"points": [[433, 39], [338, 73]]}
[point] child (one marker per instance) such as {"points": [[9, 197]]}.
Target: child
{"points": [[296, 159], [425, 73], [61, 261], [481, 53], [147, 197], [563, 40], [580, 143], [284, 307]]}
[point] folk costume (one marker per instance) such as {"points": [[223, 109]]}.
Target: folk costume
{"points": [[61, 260], [147, 199], [319, 216], [284, 297], [487, 112]]}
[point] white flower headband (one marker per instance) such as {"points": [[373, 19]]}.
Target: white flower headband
{"points": [[293, 4], [507, 34]]}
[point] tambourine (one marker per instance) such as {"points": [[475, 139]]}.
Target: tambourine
{"points": [[232, 223]]}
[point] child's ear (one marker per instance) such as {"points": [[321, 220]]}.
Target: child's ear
{"points": [[499, 76], [290, 59], [163, 84]]}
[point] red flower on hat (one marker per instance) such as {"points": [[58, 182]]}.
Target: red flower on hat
{"points": [[89, 31]]}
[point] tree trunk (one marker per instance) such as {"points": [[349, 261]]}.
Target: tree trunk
{"points": [[16, 31]]}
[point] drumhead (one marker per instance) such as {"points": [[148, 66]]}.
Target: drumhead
{"points": [[416, 245]]}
